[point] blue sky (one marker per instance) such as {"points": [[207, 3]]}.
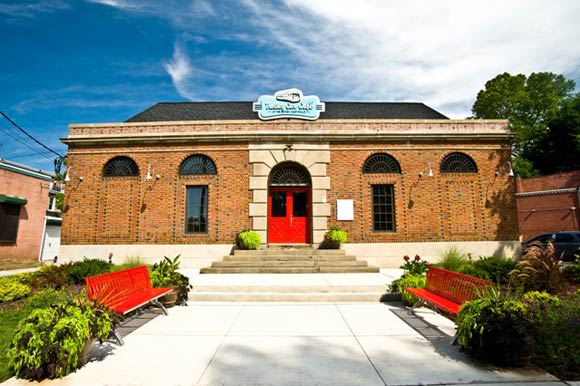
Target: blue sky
{"points": [[92, 61]]}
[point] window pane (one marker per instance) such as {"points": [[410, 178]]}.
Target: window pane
{"points": [[383, 208], [278, 204], [300, 204], [196, 209], [9, 219]]}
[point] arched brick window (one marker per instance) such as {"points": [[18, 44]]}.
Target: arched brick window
{"points": [[197, 164], [121, 167], [381, 163], [458, 163]]}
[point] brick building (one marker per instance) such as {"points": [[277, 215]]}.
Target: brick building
{"points": [[185, 178], [29, 220], [548, 203]]}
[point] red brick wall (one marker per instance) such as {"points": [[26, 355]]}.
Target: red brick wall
{"points": [[445, 207], [548, 212], [32, 215], [120, 210]]}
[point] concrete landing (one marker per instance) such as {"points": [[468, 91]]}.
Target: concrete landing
{"points": [[289, 344], [313, 287]]}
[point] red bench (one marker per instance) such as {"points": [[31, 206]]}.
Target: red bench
{"points": [[125, 291], [447, 290]]}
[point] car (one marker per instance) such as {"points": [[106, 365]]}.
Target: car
{"points": [[566, 244]]}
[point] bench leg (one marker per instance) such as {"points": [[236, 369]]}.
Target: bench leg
{"points": [[118, 338], [158, 304], [419, 303], [454, 342]]}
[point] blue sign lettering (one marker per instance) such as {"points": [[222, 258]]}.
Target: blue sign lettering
{"points": [[289, 104]]}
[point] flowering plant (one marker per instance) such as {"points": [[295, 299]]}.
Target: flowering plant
{"points": [[415, 266]]}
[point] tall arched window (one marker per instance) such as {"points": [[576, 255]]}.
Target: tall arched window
{"points": [[197, 164], [381, 163], [458, 163], [121, 167]]}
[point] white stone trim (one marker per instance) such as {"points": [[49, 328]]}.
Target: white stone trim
{"points": [[390, 255], [192, 256], [314, 157]]}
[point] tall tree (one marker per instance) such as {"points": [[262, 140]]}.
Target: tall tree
{"points": [[560, 148], [529, 103]]}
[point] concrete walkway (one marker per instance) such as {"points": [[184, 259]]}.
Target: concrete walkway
{"points": [[212, 343]]}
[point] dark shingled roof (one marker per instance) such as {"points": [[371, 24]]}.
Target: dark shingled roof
{"points": [[208, 111]]}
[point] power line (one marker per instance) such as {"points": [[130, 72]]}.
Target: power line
{"points": [[30, 136], [6, 131]]}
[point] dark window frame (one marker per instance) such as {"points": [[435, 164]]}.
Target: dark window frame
{"points": [[386, 219], [381, 163], [197, 164], [202, 211], [10, 222], [115, 165], [458, 162]]}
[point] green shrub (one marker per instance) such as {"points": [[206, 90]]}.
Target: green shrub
{"points": [[129, 262], [248, 240], [50, 276], [10, 317], [48, 342], [87, 267], [495, 328], [11, 288], [412, 281], [333, 238], [573, 272], [164, 274], [556, 328], [453, 259], [495, 269]]}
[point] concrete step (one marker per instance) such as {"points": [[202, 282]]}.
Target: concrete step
{"points": [[288, 264], [286, 297], [289, 252], [262, 269], [258, 270], [237, 289], [290, 258]]}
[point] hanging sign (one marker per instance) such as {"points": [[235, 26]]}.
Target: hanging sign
{"points": [[288, 104]]}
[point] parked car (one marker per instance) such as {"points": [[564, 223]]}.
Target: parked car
{"points": [[566, 244]]}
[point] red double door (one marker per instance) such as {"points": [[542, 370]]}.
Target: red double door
{"points": [[289, 215]]}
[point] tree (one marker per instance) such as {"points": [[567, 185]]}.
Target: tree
{"points": [[529, 103], [560, 148]]}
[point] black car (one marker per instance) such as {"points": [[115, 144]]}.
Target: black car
{"points": [[567, 243]]}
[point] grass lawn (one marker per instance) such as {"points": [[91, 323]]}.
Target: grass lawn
{"points": [[9, 264]]}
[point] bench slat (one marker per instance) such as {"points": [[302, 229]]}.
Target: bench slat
{"points": [[124, 291], [448, 290]]}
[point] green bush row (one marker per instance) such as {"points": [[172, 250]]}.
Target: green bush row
{"points": [[13, 288], [509, 329]]}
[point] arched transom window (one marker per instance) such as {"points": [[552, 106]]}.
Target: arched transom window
{"points": [[458, 163], [289, 174], [197, 164], [381, 163], [121, 167]]}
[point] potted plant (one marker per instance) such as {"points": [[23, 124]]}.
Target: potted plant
{"points": [[54, 341], [333, 238], [164, 274], [248, 240]]}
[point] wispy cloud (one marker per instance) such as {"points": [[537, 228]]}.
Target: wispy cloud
{"points": [[85, 96], [30, 9], [179, 68], [440, 53]]}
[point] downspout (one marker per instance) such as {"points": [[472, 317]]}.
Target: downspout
{"points": [[43, 239]]}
